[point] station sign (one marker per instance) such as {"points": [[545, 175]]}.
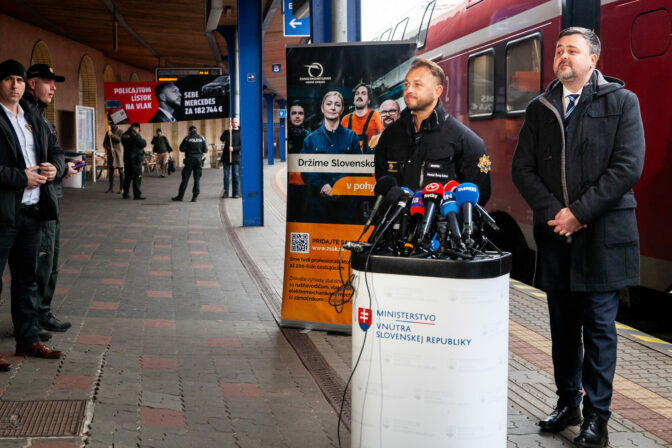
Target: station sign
{"points": [[293, 27], [164, 74]]}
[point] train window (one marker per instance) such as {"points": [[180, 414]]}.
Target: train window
{"points": [[481, 84], [523, 72], [386, 35], [400, 29], [424, 25]]}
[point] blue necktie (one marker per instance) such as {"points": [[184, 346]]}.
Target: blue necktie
{"points": [[570, 108]]}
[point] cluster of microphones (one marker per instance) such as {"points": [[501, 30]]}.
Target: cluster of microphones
{"points": [[439, 221]]}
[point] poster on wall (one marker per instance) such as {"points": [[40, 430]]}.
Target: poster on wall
{"points": [[334, 95], [199, 98]]}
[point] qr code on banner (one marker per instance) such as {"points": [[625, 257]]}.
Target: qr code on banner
{"points": [[299, 243]]}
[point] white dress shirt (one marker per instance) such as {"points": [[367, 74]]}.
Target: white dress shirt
{"points": [[25, 134]]}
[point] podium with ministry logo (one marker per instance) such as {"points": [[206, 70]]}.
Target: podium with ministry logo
{"points": [[430, 352]]}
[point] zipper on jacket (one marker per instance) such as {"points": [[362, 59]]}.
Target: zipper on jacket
{"points": [[563, 169]]}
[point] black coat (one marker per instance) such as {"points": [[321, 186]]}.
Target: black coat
{"points": [[13, 179], [593, 174], [134, 145], [444, 149], [234, 142], [194, 146]]}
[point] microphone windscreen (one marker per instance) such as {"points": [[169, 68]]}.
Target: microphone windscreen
{"points": [[466, 192], [384, 184], [449, 206], [393, 195], [432, 193], [417, 206], [448, 195], [450, 186]]}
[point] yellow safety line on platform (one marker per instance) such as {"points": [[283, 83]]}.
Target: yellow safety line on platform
{"points": [[624, 327], [532, 288], [651, 339], [632, 390], [539, 294]]}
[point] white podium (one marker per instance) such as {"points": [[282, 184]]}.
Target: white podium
{"points": [[434, 368]]}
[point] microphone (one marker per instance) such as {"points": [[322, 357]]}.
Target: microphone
{"points": [[466, 195], [450, 210], [381, 188], [390, 198], [450, 186], [404, 199], [432, 195], [417, 210], [485, 216]]}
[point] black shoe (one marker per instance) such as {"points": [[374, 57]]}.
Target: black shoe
{"points": [[139, 198], [176, 198], [49, 322], [225, 195], [236, 196], [193, 199], [593, 432], [125, 196], [43, 334], [560, 418]]}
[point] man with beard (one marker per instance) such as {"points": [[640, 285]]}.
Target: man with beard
{"points": [[297, 131], [170, 100], [580, 152], [389, 113], [428, 145], [363, 121]]}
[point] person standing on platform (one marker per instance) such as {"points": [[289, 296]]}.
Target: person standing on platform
{"points": [[428, 145], [363, 121], [40, 88], [194, 148], [161, 147], [134, 154], [115, 158], [579, 154], [231, 156], [29, 162]]}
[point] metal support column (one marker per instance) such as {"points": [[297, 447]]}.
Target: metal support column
{"points": [[320, 21], [354, 20], [229, 34], [269, 97], [282, 104], [249, 45]]}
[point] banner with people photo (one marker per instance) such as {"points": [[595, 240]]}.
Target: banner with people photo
{"points": [[340, 99], [198, 98]]}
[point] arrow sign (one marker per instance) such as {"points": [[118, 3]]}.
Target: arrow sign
{"points": [[291, 25]]}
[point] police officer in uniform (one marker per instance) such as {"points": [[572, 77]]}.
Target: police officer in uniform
{"points": [[428, 145], [134, 153], [194, 147]]}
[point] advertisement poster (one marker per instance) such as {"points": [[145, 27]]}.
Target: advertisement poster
{"points": [[199, 98], [334, 92]]}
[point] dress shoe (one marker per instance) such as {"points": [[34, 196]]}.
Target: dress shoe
{"points": [[593, 432], [49, 322], [236, 196], [225, 195], [139, 198], [125, 196], [38, 350], [193, 199], [176, 198], [560, 418], [43, 334], [109, 190], [4, 365]]}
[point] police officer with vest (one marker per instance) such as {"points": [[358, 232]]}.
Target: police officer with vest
{"points": [[194, 147], [134, 153]]}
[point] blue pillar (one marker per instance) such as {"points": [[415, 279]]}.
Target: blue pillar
{"points": [[354, 20], [269, 127], [249, 58], [320, 21], [229, 34], [282, 104]]}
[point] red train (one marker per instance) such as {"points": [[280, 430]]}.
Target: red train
{"points": [[498, 55]]}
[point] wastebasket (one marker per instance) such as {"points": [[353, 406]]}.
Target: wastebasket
{"points": [[76, 181], [434, 363]]}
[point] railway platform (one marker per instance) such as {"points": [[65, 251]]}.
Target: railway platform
{"points": [[175, 341]]}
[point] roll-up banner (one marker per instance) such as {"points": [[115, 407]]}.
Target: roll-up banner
{"points": [[334, 92], [200, 98]]}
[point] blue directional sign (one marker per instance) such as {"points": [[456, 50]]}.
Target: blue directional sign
{"points": [[291, 25], [282, 113]]}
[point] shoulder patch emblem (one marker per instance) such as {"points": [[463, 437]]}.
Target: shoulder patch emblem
{"points": [[484, 164]]}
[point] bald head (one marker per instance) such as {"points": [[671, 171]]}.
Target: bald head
{"points": [[389, 112]]}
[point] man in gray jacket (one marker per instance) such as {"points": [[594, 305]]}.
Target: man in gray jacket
{"points": [[579, 154]]}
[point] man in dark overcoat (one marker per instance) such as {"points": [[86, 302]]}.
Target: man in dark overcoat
{"points": [[579, 154]]}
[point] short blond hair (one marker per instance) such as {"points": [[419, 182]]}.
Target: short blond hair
{"points": [[433, 67], [332, 93]]}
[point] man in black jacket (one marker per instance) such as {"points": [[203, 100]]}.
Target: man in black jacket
{"points": [[40, 88], [134, 154], [194, 147], [28, 165], [579, 154], [426, 144], [231, 158]]}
